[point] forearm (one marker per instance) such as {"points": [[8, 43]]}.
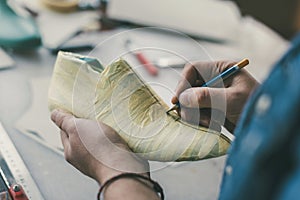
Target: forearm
{"points": [[120, 173]]}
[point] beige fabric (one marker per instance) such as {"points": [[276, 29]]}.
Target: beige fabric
{"points": [[119, 98]]}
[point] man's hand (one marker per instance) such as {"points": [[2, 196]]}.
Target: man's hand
{"points": [[213, 106], [95, 148]]}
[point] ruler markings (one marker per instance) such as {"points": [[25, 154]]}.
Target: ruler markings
{"points": [[17, 166]]}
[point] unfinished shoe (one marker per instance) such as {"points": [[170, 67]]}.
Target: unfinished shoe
{"points": [[118, 97]]}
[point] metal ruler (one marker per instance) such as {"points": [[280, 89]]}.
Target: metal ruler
{"points": [[14, 165]]}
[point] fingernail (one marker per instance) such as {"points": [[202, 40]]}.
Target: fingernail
{"points": [[174, 100]]}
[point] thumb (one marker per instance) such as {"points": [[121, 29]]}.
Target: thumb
{"points": [[62, 119], [203, 97]]}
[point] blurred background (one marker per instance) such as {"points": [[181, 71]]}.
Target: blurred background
{"points": [[168, 33]]}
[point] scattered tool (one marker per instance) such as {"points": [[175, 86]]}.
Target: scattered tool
{"points": [[71, 5], [174, 62], [153, 70], [15, 179]]}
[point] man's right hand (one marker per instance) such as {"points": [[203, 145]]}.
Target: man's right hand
{"points": [[213, 106]]}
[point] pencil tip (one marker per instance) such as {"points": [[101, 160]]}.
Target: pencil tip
{"points": [[175, 107]]}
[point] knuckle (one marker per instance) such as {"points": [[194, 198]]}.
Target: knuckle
{"points": [[59, 122], [69, 125], [189, 65], [236, 96], [202, 95]]}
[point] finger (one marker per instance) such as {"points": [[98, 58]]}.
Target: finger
{"points": [[204, 97], [188, 77], [64, 139], [221, 66], [211, 124], [212, 119], [192, 75], [198, 74], [63, 120], [66, 145], [190, 115], [202, 117]]}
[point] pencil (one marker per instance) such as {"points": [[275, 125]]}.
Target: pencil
{"points": [[227, 73]]}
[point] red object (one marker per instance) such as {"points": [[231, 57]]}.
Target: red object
{"points": [[17, 193], [147, 64]]}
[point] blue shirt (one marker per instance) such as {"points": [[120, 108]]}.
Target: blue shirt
{"points": [[264, 160]]}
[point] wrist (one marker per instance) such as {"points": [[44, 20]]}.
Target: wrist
{"points": [[128, 164], [108, 173], [131, 186]]}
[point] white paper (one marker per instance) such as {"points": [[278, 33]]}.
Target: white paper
{"points": [[204, 18]]}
